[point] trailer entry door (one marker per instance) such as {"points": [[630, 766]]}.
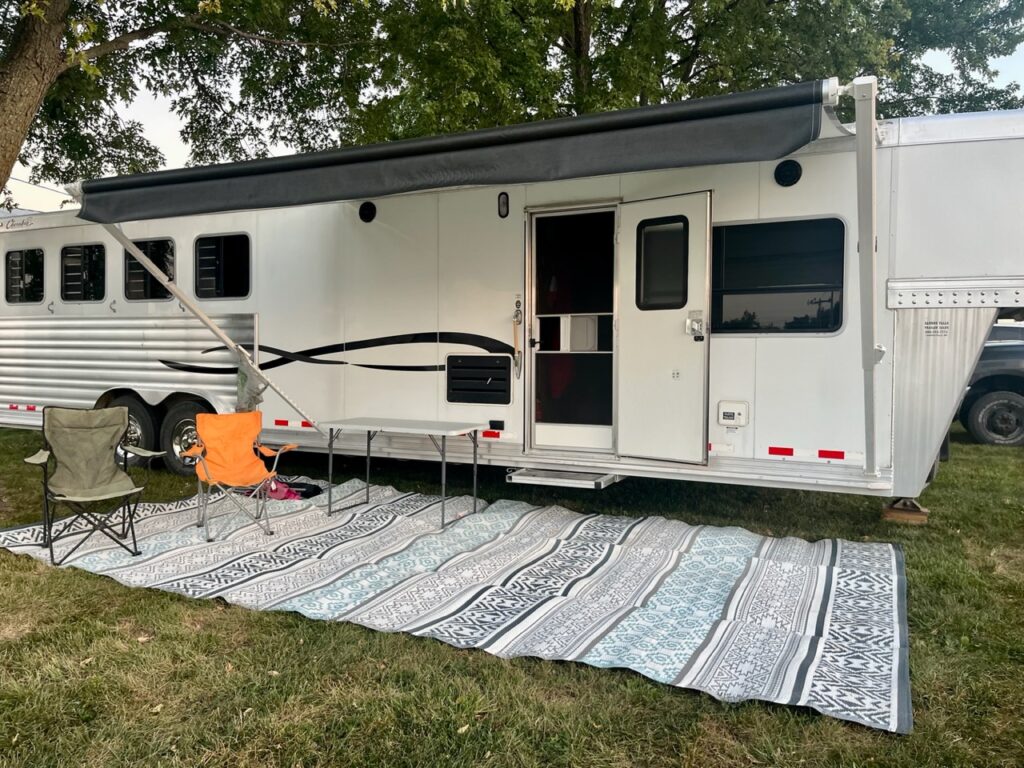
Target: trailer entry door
{"points": [[662, 346], [572, 351]]}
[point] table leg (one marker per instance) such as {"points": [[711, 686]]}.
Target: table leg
{"points": [[443, 475], [473, 437], [369, 440], [330, 467]]}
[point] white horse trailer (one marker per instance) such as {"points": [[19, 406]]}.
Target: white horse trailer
{"points": [[737, 290]]}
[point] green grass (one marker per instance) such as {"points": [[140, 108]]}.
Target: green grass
{"points": [[93, 673]]}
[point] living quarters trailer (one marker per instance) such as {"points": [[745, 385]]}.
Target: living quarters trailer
{"points": [[736, 289]]}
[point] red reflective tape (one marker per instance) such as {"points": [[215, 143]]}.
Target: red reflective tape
{"points": [[30, 407], [12, 407], [775, 450], [307, 424], [491, 433], [709, 446], [280, 422], [831, 454]]}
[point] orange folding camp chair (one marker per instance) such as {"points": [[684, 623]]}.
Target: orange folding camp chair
{"points": [[226, 460]]}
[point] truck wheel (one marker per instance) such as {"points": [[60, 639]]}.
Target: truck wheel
{"points": [[178, 433], [997, 418], [141, 426]]}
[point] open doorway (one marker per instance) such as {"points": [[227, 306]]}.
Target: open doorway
{"points": [[572, 344]]}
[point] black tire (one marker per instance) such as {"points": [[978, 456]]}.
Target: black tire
{"points": [[141, 425], [997, 418], [177, 433]]}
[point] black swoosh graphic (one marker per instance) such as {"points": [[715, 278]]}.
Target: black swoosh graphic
{"points": [[311, 355]]}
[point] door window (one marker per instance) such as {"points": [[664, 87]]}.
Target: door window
{"points": [[662, 255], [574, 299]]}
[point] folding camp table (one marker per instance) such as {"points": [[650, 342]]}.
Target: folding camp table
{"points": [[374, 426]]}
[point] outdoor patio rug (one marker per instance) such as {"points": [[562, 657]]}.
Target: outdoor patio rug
{"points": [[721, 610]]}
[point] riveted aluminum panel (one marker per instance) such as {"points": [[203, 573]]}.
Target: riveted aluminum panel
{"points": [[935, 351], [956, 292], [73, 361]]}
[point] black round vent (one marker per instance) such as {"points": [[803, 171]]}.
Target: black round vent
{"points": [[367, 212], [788, 173]]}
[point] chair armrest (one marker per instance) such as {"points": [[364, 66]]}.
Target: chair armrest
{"points": [[39, 458], [195, 450], [268, 452], [144, 453]]}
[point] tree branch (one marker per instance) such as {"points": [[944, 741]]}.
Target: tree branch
{"points": [[120, 42], [227, 30]]}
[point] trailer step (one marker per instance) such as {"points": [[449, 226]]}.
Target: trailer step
{"points": [[562, 478]]}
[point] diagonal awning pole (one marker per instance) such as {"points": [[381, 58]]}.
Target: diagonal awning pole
{"points": [[243, 354]]}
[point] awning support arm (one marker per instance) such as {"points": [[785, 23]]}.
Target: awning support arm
{"points": [[118, 234], [865, 91]]}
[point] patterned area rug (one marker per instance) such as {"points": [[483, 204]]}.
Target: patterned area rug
{"points": [[721, 610]]}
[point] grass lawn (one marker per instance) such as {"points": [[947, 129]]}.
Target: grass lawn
{"points": [[93, 673]]}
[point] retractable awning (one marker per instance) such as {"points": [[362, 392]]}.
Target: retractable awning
{"points": [[760, 125]]}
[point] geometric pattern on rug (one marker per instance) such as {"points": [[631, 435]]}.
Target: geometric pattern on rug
{"points": [[721, 610]]}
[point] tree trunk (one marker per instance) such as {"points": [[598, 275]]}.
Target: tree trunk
{"points": [[28, 68], [582, 67]]}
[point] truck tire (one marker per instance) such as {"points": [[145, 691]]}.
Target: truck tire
{"points": [[997, 418], [141, 425], [178, 433]]}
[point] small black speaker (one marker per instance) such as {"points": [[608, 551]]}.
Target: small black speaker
{"points": [[788, 173]]}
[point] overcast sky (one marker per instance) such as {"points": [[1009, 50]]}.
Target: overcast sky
{"points": [[163, 128]]}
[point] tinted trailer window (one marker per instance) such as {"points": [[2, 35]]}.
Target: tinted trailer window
{"points": [[778, 277]]}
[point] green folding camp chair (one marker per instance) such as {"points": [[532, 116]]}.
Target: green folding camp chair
{"points": [[80, 472]]}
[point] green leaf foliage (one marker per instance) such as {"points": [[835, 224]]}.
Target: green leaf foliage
{"points": [[250, 76]]}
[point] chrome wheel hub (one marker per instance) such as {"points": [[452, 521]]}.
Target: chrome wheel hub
{"points": [[183, 437]]}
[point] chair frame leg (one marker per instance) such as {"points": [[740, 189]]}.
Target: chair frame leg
{"points": [[47, 523], [99, 522], [260, 496]]}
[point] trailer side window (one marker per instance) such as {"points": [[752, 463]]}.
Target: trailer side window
{"points": [[23, 271], [222, 267], [140, 285], [662, 253], [83, 273], [778, 277]]}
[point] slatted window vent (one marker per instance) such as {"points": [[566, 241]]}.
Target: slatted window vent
{"points": [[485, 379], [222, 266], [24, 275], [139, 284]]}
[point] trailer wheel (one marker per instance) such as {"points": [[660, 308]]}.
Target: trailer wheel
{"points": [[141, 426], [178, 433], [997, 418]]}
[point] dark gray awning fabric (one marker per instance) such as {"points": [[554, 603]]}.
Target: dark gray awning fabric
{"points": [[761, 125]]}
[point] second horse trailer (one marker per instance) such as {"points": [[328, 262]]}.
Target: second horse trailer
{"points": [[737, 289]]}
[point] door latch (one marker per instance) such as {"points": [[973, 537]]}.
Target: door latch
{"points": [[695, 327]]}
